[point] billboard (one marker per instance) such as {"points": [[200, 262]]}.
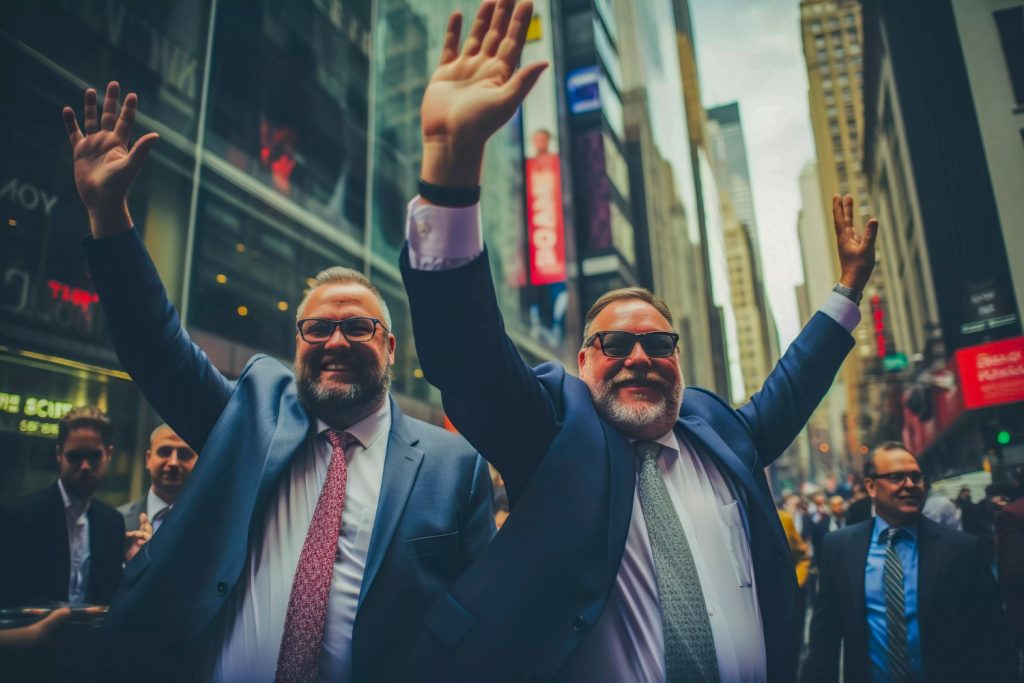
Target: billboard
{"points": [[992, 374], [544, 212]]}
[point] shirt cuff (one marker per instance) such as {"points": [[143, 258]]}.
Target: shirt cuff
{"points": [[842, 310], [442, 237]]}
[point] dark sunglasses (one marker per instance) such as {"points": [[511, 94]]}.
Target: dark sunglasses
{"points": [[319, 330], [897, 478], [93, 455], [618, 344]]}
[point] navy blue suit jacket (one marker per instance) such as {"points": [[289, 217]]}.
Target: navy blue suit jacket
{"points": [[518, 613], [433, 518]]}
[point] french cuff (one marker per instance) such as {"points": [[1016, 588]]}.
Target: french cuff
{"points": [[442, 234], [842, 310]]}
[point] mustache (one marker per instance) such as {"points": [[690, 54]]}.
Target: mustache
{"points": [[628, 377]]}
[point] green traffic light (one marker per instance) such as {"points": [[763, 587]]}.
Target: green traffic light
{"points": [[1003, 437]]}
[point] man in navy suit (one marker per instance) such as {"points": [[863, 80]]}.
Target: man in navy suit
{"points": [[643, 543], [253, 565]]}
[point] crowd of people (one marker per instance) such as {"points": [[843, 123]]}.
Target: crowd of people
{"points": [[325, 535]]}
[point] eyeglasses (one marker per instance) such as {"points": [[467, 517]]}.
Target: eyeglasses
{"points": [[897, 478], [618, 344], [319, 330]]}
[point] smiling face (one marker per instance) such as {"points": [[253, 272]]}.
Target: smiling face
{"points": [[637, 394], [897, 503], [340, 381], [169, 461]]}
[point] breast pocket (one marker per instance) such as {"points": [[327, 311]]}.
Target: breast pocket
{"points": [[439, 553], [735, 536]]}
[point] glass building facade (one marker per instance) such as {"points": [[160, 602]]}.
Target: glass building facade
{"points": [[289, 143]]}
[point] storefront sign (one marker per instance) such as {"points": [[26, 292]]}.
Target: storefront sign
{"points": [[992, 374], [31, 414]]}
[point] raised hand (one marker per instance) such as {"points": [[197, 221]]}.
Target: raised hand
{"points": [[474, 92], [856, 252], [105, 167], [134, 540]]}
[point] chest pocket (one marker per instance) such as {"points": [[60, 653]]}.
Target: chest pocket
{"points": [[440, 552], [735, 536]]}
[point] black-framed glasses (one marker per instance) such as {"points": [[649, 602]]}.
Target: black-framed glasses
{"points": [[319, 330], [619, 344], [897, 478]]}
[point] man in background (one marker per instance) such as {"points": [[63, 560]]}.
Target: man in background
{"points": [[58, 544], [169, 461]]}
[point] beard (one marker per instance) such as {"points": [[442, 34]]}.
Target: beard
{"points": [[629, 418], [341, 405]]}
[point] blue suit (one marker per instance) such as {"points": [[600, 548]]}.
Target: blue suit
{"points": [[521, 610], [433, 517]]}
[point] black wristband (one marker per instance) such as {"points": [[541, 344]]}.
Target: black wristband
{"points": [[449, 196]]}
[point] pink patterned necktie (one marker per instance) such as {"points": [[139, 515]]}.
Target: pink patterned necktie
{"points": [[299, 656]]}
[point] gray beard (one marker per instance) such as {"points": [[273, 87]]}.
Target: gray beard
{"points": [[341, 407], [629, 418]]}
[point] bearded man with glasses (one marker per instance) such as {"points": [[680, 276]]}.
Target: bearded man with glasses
{"points": [[908, 599], [321, 521]]}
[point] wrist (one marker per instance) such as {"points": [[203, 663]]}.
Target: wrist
{"points": [[449, 164], [108, 221], [852, 293]]}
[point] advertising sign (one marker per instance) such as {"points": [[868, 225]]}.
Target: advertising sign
{"points": [[583, 90], [543, 167], [992, 374]]}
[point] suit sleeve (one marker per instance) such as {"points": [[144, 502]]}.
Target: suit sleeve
{"points": [[993, 641], [478, 526], [1010, 549], [822, 664], [489, 392], [174, 374], [801, 378]]}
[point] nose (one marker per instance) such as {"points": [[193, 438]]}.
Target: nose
{"points": [[173, 460], [337, 339], [637, 356]]}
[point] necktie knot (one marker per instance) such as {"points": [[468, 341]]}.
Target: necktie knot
{"points": [[892, 534], [646, 450], [161, 514], [339, 439]]}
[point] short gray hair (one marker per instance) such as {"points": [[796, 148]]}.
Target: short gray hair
{"points": [[340, 275]]}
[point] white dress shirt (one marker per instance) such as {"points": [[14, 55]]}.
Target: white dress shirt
{"points": [[252, 635], [154, 504], [626, 643], [76, 516]]}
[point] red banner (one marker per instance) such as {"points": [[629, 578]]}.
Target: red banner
{"points": [[544, 213], [992, 374]]}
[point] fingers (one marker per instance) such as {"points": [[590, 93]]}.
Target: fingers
{"points": [[479, 29], [451, 39], [838, 219], [522, 81], [144, 525], [109, 117], [499, 24], [848, 210], [71, 126], [127, 117], [512, 46], [140, 151], [54, 618], [89, 116], [870, 233]]}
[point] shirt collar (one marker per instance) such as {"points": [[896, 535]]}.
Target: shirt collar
{"points": [[74, 507], [368, 429], [881, 525], [668, 440], [154, 504]]}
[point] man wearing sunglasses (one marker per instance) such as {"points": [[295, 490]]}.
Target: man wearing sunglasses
{"points": [[320, 521], [643, 542], [60, 544], [908, 599]]}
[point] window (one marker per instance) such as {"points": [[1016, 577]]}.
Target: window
{"points": [[850, 20], [1010, 24], [816, 26]]}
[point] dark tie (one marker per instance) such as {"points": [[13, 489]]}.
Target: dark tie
{"points": [[298, 658], [895, 611], [158, 518], [689, 643]]}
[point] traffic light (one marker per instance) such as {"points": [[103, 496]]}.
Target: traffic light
{"points": [[1003, 438]]}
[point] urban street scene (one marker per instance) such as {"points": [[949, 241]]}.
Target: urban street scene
{"points": [[551, 340]]}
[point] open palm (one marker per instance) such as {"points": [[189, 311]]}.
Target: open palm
{"points": [[474, 92], [105, 167], [856, 251]]}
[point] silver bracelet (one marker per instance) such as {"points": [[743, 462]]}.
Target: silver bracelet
{"points": [[849, 292]]}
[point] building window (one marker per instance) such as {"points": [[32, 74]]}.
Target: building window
{"points": [[816, 26], [1010, 23]]}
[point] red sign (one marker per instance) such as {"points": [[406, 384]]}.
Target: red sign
{"points": [[82, 298], [878, 316], [544, 212], [991, 374]]}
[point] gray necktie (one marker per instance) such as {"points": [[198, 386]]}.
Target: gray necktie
{"points": [[689, 644], [895, 611]]}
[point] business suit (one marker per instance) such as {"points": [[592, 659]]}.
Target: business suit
{"points": [[35, 558], [131, 511], [1010, 552], [963, 630], [522, 609], [433, 516]]}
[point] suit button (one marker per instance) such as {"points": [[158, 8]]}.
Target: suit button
{"points": [[222, 588], [579, 625]]}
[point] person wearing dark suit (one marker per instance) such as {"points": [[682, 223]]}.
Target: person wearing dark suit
{"points": [[169, 461], [1010, 556], [320, 521], [643, 542], [60, 544], [906, 598]]}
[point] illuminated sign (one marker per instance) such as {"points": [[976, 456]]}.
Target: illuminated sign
{"points": [[82, 298], [35, 415], [583, 90], [992, 374], [878, 323]]}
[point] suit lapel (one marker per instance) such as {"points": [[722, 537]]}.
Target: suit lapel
{"points": [[401, 464], [622, 466], [929, 557], [57, 521], [855, 561]]}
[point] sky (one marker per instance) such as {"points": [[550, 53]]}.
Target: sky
{"points": [[750, 51]]}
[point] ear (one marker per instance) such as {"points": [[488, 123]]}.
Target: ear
{"points": [[149, 453], [392, 342], [869, 486], [581, 359]]}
